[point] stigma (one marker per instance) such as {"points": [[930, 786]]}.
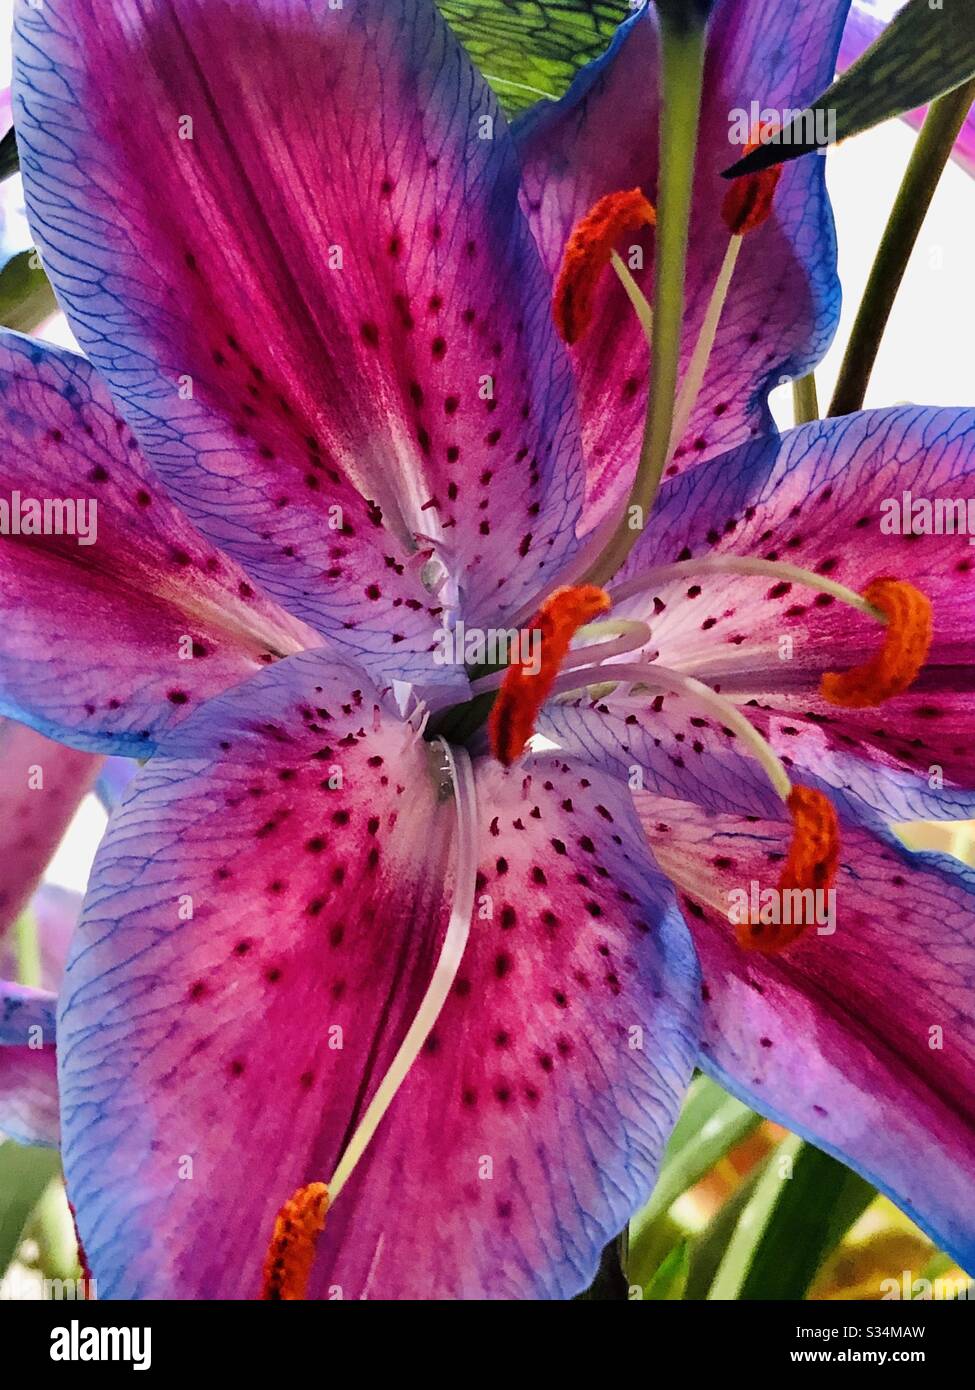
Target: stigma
{"points": [[587, 254], [907, 641], [299, 1223], [525, 688]]}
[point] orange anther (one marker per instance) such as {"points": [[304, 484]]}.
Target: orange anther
{"points": [[587, 254], [907, 641], [524, 691], [299, 1223], [748, 200], [809, 870]]}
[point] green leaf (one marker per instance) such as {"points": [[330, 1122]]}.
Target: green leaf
{"points": [[26, 297], [670, 1280], [925, 51], [709, 1246], [24, 1174], [711, 1123], [803, 1205], [9, 158], [528, 49]]}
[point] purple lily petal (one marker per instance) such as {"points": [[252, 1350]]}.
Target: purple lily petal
{"points": [[348, 283], [783, 305], [106, 643], [29, 1095], [25, 1013], [28, 1087], [812, 499], [318, 908], [862, 1040], [862, 28], [113, 781], [56, 911], [42, 784]]}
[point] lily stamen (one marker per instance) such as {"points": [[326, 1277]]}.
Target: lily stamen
{"points": [[299, 1223], [523, 691], [588, 252], [813, 856], [690, 387], [665, 681], [908, 615], [445, 972], [632, 636], [746, 565]]}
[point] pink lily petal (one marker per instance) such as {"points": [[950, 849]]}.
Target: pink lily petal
{"points": [[861, 1040], [338, 262], [862, 28], [815, 499], [314, 909], [105, 644], [784, 300], [42, 784]]}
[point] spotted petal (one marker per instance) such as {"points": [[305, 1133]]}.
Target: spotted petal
{"points": [[264, 917], [119, 616], [826, 498], [862, 1039], [323, 313], [784, 300]]}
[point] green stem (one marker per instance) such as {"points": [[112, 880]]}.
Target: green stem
{"points": [[805, 400], [928, 159], [682, 65], [27, 950]]}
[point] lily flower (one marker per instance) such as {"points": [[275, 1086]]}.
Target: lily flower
{"points": [[351, 958]]}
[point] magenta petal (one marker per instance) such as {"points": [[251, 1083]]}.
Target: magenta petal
{"points": [[862, 1040], [862, 28], [42, 784], [784, 301], [115, 628], [249, 1036], [824, 497], [337, 262]]}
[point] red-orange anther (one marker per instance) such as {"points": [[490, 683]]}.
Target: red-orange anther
{"points": [[587, 254], [299, 1223], [523, 693], [907, 640], [810, 869], [748, 200]]}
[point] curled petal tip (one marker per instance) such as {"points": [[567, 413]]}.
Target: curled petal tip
{"points": [[587, 254], [895, 667], [299, 1223]]}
